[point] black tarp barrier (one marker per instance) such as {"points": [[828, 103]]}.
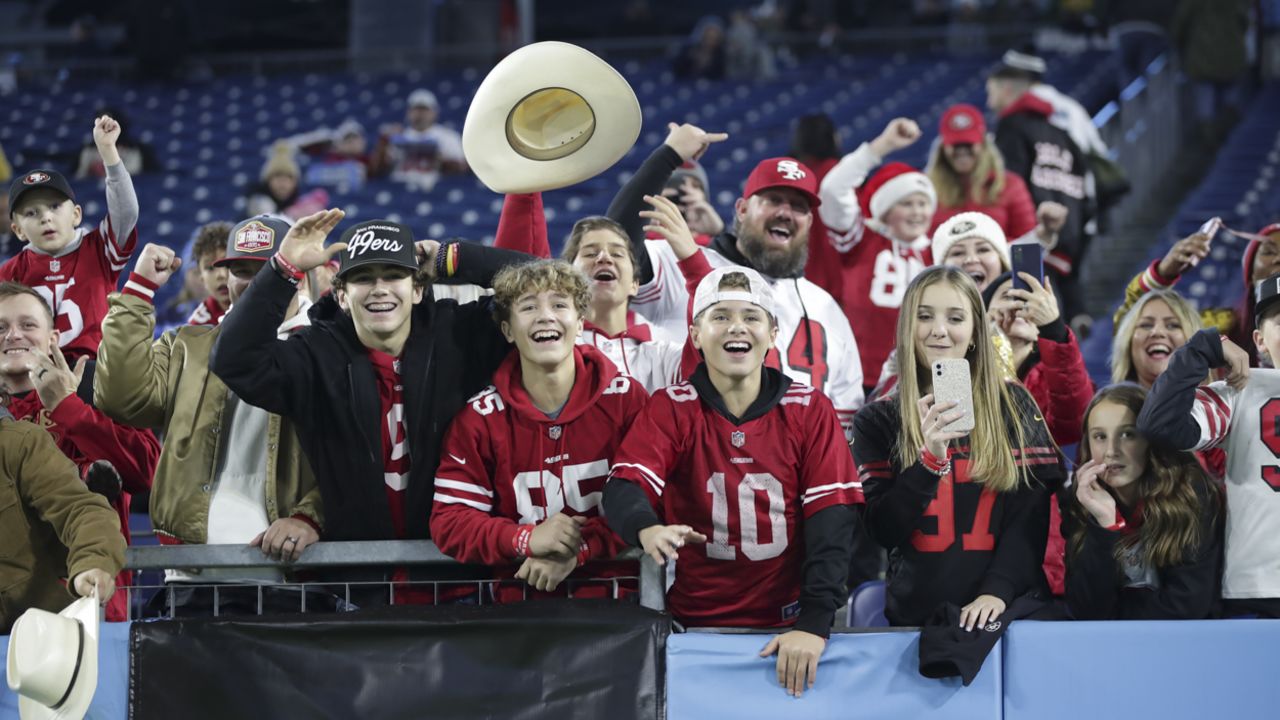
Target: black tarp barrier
{"points": [[560, 659]]}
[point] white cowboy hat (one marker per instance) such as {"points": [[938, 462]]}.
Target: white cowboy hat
{"points": [[547, 116], [53, 661]]}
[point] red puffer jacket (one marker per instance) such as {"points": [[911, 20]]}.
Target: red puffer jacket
{"points": [[1061, 387]]}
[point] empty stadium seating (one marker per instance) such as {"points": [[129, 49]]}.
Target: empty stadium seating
{"points": [[211, 137]]}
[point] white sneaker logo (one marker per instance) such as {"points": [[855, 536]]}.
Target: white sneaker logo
{"points": [[457, 459]]}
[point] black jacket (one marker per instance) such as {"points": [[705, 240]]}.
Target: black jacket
{"points": [[1053, 167], [1097, 585], [322, 379], [936, 554]]}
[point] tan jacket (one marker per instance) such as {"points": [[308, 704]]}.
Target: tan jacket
{"points": [[51, 526], [166, 384]]}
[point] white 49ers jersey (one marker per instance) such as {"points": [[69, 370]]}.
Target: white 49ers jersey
{"points": [[815, 344], [1246, 424]]}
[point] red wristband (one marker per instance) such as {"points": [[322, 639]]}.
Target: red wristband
{"points": [[584, 552], [520, 541], [139, 286], [933, 462], [287, 270], [1119, 524]]}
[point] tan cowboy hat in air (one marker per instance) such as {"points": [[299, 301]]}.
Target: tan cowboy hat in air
{"points": [[53, 661], [547, 116]]}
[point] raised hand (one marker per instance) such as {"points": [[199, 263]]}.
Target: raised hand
{"points": [[1236, 371], [1092, 496], [157, 263], [1050, 219], [106, 132], [898, 134], [933, 418], [1038, 305], [663, 542], [665, 219], [699, 213], [691, 141], [303, 246], [1185, 254], [54, 380]]}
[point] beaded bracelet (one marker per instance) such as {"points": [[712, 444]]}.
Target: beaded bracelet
{"points": [[446, 260]]}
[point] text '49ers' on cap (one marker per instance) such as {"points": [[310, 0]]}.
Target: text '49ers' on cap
{"points": [[257, 238], [35, 180], [783, 172], [377, 242]]}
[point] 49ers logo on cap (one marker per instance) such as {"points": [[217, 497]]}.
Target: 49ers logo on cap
{"points": [[963, 226], [36, 178], [255, 237], [790, 169], [961, 121]]}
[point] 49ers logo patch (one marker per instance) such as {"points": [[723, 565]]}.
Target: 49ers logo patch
{"points": [[35, 178], [254, 237], [961, 121], [963, 226], [790, 169]]}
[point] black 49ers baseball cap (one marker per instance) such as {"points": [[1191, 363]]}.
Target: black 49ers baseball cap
{"points": [[35, 180], [1266, 295], [377, 242]]}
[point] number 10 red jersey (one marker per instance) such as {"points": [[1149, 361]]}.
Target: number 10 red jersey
{"points": [[748, 488]]}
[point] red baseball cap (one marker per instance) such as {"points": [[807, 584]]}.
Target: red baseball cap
{"points": [[783, 172], [962, 125]]}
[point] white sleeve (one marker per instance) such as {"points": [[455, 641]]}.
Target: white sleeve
{"points": [[664, 300], [845, 386], [839, 210], [1212, 412]]}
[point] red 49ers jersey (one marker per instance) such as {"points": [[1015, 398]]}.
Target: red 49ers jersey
{"points": [[76, 284], [504, 463], [876, 273], [748, 488]]}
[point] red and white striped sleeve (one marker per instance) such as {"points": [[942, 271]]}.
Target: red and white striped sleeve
{"points": [[1212, 412], [464, 524]]}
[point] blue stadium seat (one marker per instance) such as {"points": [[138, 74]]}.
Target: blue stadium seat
{"points": [[866, 605]]}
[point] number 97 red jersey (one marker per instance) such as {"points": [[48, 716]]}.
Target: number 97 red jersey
{"points": [[748, 487]]}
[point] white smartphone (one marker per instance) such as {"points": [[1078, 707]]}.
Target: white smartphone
{"points": [[952, 383]]}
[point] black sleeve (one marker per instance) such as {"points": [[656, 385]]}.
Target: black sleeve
{"points": [[1166, 417], [258, 367], [1016, 565], [477, 264], [1010, 143], [627, 204], [895, 500], [1092, 582], [1055, 331], [828, 544], [628, 511], [1188, 590]]}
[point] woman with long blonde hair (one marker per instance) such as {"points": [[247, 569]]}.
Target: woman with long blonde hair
{"points": [[1142, 522], [1159, 322], [963, 515]]}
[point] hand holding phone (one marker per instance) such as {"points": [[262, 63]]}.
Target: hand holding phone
{"points": [[1026, 256], [952, 383]]}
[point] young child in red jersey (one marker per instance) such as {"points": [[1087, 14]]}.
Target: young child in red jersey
{"points": [[745, 476], [73, 268], [525, 463]]}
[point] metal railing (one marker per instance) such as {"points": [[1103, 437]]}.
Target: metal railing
{"points": [[328, 555]]}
